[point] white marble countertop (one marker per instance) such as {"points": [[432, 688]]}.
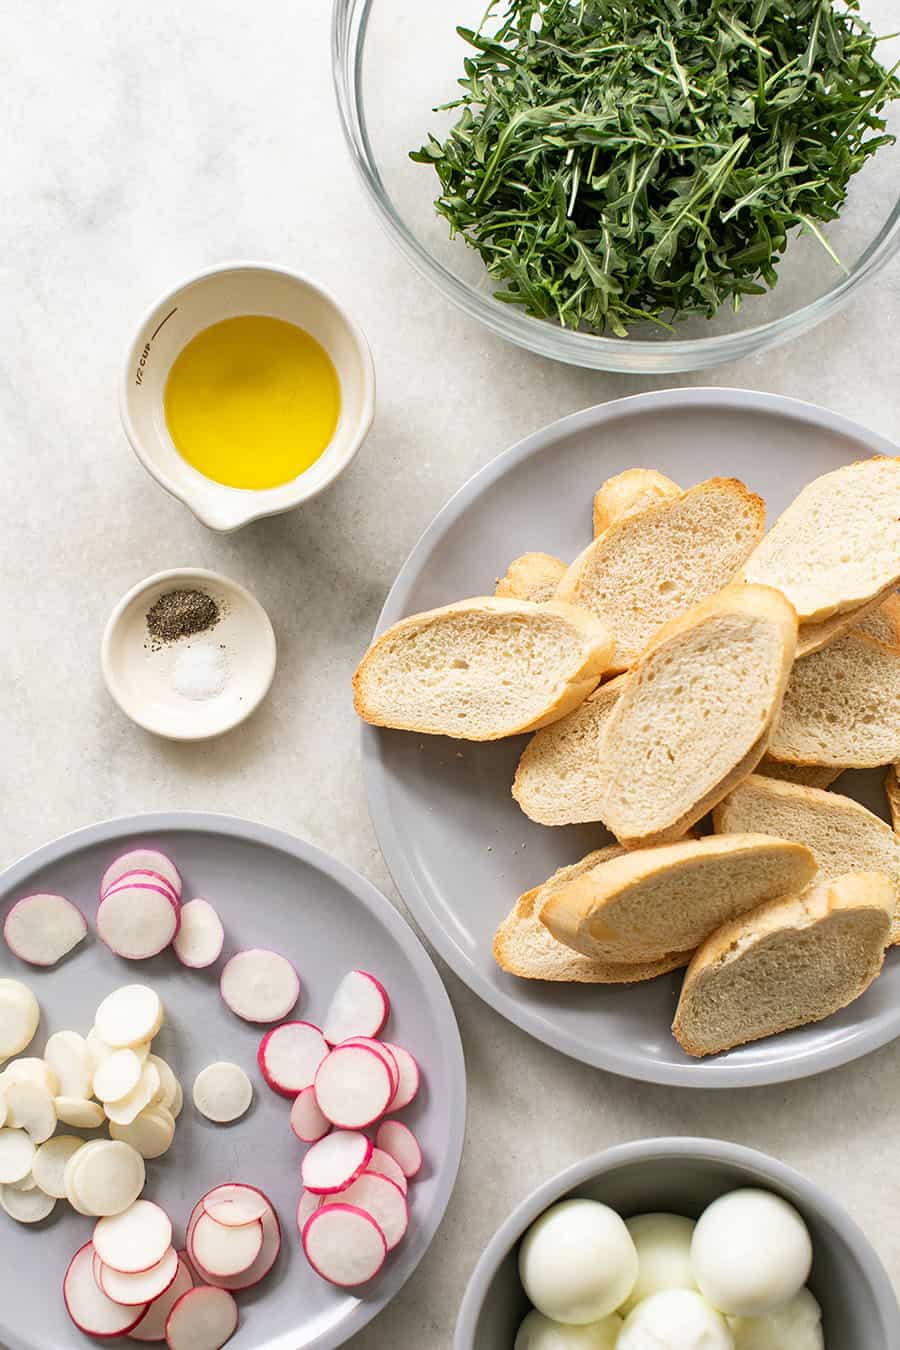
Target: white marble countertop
{"points": [[143, 143]]}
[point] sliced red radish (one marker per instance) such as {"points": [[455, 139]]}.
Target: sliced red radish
{"points": [[218, 1250], [152, 1326], [289, 1056], [307, 1206], [145, 879], [137, 922], [353, 1086], [307, 1120], [41, 929], [261, 1266], [141, 1288], [200, 938], [129, 1016], [142, 860], [384, 1200], [134, 1240], [399, 1141], [380, 1049], [235, 1204], [410, 1077], [202, 1319], [222, 1092], [335, 1161], [389, 1167], [344, 1245], [259, 985], [360, 1007], [88, 1306]]}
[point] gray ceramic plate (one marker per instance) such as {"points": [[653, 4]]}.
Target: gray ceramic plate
{"points": [[459, 848], [271, 890]]}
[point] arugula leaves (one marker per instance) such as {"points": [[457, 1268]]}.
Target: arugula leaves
{"points": [[626, 160]]}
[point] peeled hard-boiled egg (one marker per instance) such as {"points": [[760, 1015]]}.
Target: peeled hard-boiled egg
{"points": [[751, 1253], [675, 1319], [796, 1326], [577, 1262], [663, 1243], [537, 1332]]}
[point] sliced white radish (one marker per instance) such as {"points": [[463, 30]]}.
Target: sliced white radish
{"points": [[306, 1207], [143, 1286], [218, 1250], [335, 1161], [49, 1165], [118, 1075], [178, 1102], [19, 1017], [80, 1112], [33, 1070], [222, 1092], [289, 1056], [127, 1110], [26, 1184], [152, 1326], [410, 1077], [137, 922], [41, 929], [344, 1245], [234, 1203], [29, 1107], [200, 938], [87, 1305], [106, 1177], [151, 1132], [135, 1239], [307, 1120], [2, 1108], [259, 985], [202, 1319], [360, 1007], [384, 1200], [353, 1086], [16, 1155], [143, 878], [69, 1057], [399, 1141], [167, 1082], [142, 860], [261, 1266], [380, 1049], [129, 1016], [26, 1206], [389, 1167], [98, 1047]]}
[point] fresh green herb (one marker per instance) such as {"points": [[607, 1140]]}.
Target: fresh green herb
{"points": [[622, 160]]}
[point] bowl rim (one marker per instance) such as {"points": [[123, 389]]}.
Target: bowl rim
{"points": [[350, 20], [802, 1191], [258, 503]]}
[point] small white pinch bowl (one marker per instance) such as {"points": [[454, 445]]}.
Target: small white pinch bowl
{"points": [[224, 292], [139, 672]]}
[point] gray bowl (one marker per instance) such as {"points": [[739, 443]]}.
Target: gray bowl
{"points": [[859, 1306]]}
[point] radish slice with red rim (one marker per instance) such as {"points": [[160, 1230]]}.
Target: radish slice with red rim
{"points": [[225, 1251], [234, 1204], [384, 1200], [353, 1086], [143, 879], [142, 860], [268, 1255], [389, 1167], [360, 1007], [344, 1245], [137, 922], [41, 929], [410, 1077], [259, 985], [306, 1207], [289, 1056], [200, 937], [88, 1306], [380, 1049], [307, 1120], [140, 1289], [203, 1319], [134, 1240], [399, 1141], [335, 1161], [152, 1326]]}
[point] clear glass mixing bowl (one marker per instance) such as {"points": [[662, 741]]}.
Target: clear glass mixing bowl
{"points": [[394, 60]]}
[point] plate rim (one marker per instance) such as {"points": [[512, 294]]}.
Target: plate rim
{"points": [[693, 1075], [371, 898]]}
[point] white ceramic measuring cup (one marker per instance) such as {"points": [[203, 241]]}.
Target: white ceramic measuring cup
{"points": [[225, 292]]}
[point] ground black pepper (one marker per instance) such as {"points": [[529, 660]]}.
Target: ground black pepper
{"points": [[181, 613]]}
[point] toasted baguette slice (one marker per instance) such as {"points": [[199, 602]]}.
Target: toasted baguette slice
{"points": [[652, 565], [694, 716], [892, 788], [524, 947], [842, 706], [810, 775], [558, 781], [482, 669], [629, 492], [534, 576], [649, 902], [840, 831], [788, 963], [838, 543], [812, 637]]}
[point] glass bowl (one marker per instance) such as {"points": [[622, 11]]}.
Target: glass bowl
{"points": [[394, 60]]}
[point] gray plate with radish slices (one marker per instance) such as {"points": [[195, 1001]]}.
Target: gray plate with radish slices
{"points": [[271, 891], [459, 847]]}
